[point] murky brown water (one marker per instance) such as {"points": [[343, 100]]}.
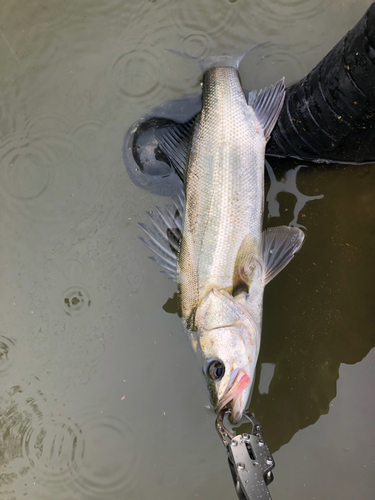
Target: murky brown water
{"points": [[100, 396]]}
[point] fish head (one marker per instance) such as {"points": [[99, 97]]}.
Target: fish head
{"points": [[228, 368], [229, 342]]}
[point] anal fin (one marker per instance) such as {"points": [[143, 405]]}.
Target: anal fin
{"points": [[164, 233]]}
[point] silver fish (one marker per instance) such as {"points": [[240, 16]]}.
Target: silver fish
{"points": [[223, 259]]}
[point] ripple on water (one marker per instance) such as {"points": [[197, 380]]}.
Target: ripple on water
{"points": [[206, 17], [107, 19], [33, 440], [273, 14], [139, 74], [284, 61], [44, 121], [197, 44], [97, 457], [73, 269], [278, 60], [110, 462], [65, 334], [88, 135], [26, 173], [7, 348], [75, 300], [54, 448], [28, 27], [41, 177], [95, 7]]}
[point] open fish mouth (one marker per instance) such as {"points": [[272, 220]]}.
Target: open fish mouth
{"points": [[234, 394]]}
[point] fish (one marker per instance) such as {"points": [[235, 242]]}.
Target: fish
{"points": [[210, 240]]}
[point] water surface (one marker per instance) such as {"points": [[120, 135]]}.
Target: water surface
{"points": [[100, 396]]}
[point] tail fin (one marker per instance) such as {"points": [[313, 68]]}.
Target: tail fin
{"points": [[226, 58]]}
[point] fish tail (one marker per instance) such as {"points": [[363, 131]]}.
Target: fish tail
{"points": [[226, 58]]}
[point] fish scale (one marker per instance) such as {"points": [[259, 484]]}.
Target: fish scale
{"points": [[223, 260], [224, 187]]}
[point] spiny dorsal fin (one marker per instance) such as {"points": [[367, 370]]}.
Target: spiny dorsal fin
{"points": [[279, 246], [174, 141], [267, 104]]}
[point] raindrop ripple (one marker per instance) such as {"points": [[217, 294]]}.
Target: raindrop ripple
{"points": [[138, 74], [75, 300], [7, 347], [110, 465], [204, 17]]}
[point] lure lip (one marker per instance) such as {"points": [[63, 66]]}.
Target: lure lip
{"points": [[235, 394]]}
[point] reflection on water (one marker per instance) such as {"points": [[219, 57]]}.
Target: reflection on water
{"points": [[267, 371], [81, 307], [311, 333], [334, 443], [287, 184]]}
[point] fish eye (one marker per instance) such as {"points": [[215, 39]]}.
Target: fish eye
{"points": [[216, 369]]}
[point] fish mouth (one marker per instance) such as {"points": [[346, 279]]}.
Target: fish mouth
{"points": [[234, 394]]}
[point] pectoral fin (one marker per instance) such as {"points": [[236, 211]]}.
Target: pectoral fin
{"points": [[279, 246], [247, 262]]}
